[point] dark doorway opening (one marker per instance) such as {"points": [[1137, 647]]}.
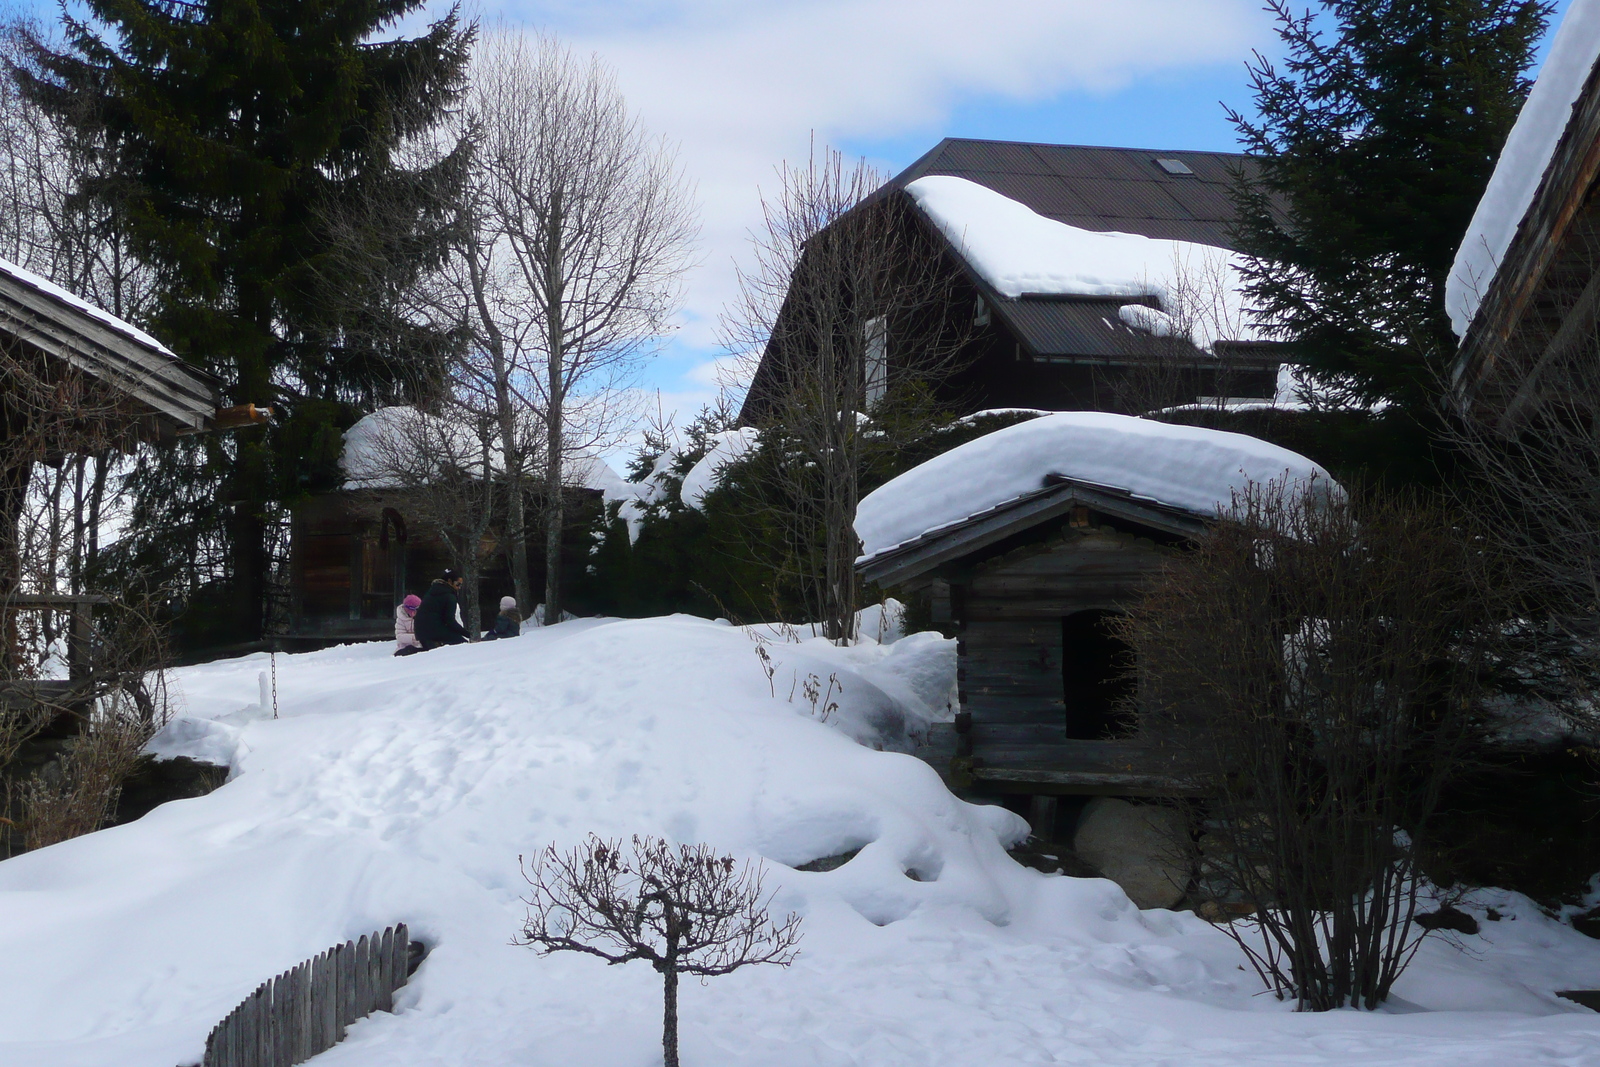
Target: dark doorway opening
{"points": [[1096, 677]]}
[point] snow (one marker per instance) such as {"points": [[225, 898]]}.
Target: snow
{"points": [[27, 277], [1187, 467], [405, 789], [389, 435], [1146, 318], [1021, 253], [724, 449], [1523, 161]]}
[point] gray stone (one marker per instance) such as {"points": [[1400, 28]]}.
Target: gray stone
{"points": [[1137, 846]]}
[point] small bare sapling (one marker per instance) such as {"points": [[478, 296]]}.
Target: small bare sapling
{"points": [[682, 908]]}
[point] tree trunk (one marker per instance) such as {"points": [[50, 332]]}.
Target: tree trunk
{"points": [[669, 1018], [516, 509], [555, 517]]}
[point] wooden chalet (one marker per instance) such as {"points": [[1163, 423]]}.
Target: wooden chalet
{"points": [[1543, 300], [355, 552], [1076, 353]]}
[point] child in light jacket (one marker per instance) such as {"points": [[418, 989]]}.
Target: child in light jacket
{"points": [[405, 626]]}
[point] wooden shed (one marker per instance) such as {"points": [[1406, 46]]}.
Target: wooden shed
{"points": [[1025, 543], [1028, 587]]}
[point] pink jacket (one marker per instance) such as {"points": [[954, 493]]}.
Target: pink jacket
{"points": [[405, 629]]}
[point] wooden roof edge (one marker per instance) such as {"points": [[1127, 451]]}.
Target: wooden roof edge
{"points": [[1565, 185], [935, 548], [184, 394]]}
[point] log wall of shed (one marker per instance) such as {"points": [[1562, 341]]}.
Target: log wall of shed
{"points": [[1010, 613]]}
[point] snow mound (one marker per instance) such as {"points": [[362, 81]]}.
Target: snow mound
{"points": [[1021, 253], [724, 449], [405, 789], [44, 285], [1523, 161], [1188, 467]]}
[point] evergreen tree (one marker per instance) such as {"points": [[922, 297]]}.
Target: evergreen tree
{"points": [[243, 139], [1376, 138]]}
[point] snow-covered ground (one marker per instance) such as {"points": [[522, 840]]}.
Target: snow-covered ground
{"points": [[405, 790]]}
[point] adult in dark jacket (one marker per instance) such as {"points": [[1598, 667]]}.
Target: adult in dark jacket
{"points": [[437, 623]]}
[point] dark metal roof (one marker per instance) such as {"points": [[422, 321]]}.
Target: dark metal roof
{"points": [[1122, 189], [1087, 328], [1105, 189]]}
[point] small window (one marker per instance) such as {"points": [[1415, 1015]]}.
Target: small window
{"points": [[876, 369], [980, 313], [1174, 166]]}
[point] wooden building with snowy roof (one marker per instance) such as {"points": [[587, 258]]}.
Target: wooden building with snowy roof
{"points": [[1027, 541], [1072, 262], [1524, 291]]}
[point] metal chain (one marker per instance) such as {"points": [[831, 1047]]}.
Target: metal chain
{"points": [[274, 683]]}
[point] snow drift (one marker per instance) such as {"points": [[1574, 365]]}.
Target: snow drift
{"points": [[1188, 467]]}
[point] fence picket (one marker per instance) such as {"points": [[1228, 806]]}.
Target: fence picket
{"points": [[385, 998], [402, 954]]}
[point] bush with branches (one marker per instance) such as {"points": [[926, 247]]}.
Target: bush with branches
{"points": [[1320, 667], [683, 909]]}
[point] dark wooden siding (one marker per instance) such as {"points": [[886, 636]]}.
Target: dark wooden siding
{"points": [[1010, 615]]}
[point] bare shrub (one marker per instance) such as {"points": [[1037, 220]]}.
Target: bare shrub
{"points": [[1318, 665], [684, 909]]}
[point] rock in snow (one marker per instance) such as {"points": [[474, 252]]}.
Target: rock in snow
{"points": [[1188, 467], [405, 789]]}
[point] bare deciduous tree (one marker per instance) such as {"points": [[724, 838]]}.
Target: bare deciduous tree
{"points": [[849, 322], [578, 229], [1320, 665], [683, 909]]}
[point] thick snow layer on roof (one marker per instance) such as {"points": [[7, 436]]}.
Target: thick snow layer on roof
{"points": [[1187, 467], [1021, 253], [405, 789], [1523, 161], [726, 449], [27, 277], [391, 437]]}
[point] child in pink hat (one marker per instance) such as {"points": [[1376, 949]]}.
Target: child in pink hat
{"points": [[405, 626]]}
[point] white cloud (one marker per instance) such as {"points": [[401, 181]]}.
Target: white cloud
{"points": [[742, 86]]}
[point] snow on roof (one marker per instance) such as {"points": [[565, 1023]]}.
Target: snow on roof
{"points": [[726, 448], [1523, 161], [1021, 253], [377, 442], [1187, 467], [49, 288]]}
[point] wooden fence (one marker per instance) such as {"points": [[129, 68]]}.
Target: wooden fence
{"points": [[305, 1010]]}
